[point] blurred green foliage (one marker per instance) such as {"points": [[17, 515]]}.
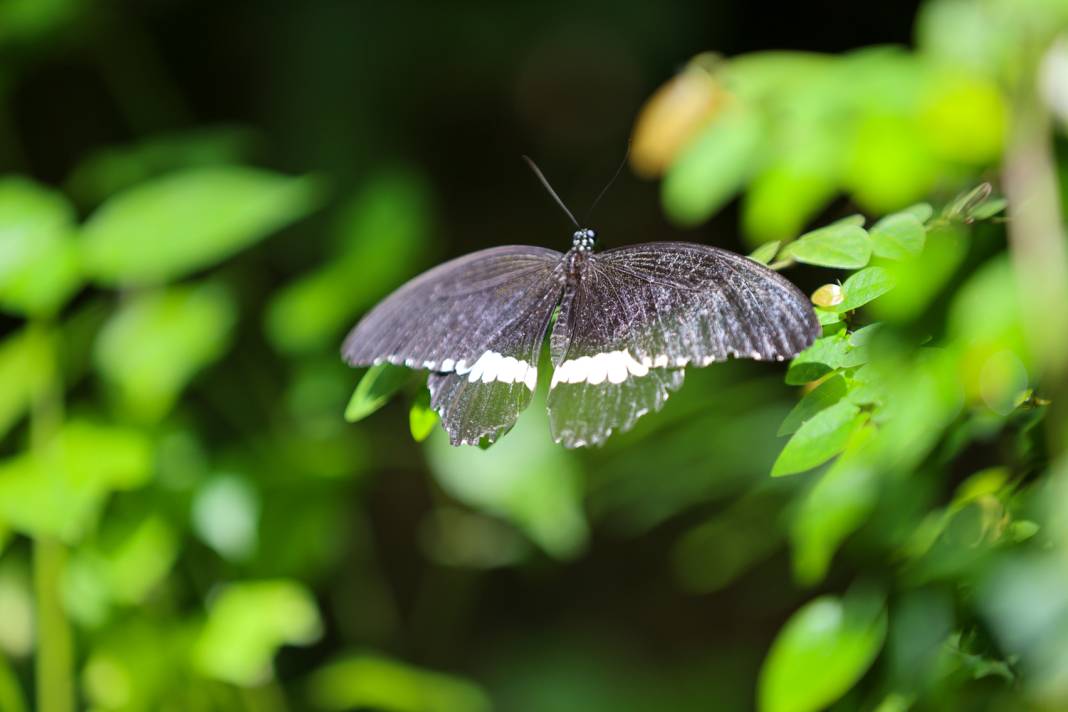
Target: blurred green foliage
{"points": [[202, 508]]}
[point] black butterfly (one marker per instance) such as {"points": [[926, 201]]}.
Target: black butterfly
{"points": [[630, 319]]}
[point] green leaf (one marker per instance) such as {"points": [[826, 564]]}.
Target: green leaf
{"points": [[822, 396], [888, 163], [375, 389], [24, 373], [382, 235], [786, 195], [989, 209], [920, 211], [856, 219], [422, 418], [842, 245], [827, 318], [59, 490], [157, 341], [247, 624], [714, 167], [898, 236], [39, 265], [172, 226], [862, 287], [131, 662], [834, 507], [126, 563], [866, 386], [369, 681], [825, 355], [961, 207], [821, 652], [106, 171], [226, 516], [920, 279], [818, 439], [765, 253], [25, 24]]}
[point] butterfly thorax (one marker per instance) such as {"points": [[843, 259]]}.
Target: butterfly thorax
{"points": [[576, 262]]}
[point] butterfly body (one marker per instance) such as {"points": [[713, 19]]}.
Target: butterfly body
{"points": [[629, 320]]}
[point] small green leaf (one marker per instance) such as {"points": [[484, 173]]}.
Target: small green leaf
{"points": [[248, 622], [1022, 530], [375, 389], [818, 439], [862, 287], [787, 194], [920, 279], [920, 211], [856, 219], [842, 245], [226, 516], [765, 253], [824, 356], [60, 491], [828, 318], [158, 340], [821, 652], [171, 226], [898, 236], [713, 167], [29, 214], [108, 170], [988, 209], [382, 236], [422, 418], [866, 386], [961, 207], [39, 265], [833, 508], [369, 681], [822, 396], [24, 373], [127, 559]]}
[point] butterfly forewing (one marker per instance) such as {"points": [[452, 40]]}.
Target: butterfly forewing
{"points": [[639, 314], [477, 323]]}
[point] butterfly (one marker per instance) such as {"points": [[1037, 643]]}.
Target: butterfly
{"points": [[628, 322]]}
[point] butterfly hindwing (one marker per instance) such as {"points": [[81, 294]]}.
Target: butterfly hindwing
{"points": [[639, 314], [477, 324], [585, 413]]}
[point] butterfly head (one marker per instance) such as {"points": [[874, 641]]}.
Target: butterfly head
{"points": [[584, 239]]}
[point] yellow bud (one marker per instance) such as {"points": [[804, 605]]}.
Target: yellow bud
{"points": [[829, 295]]}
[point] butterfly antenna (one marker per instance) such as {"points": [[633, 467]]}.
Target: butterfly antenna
{"points": [[608, 185], [545, 182]]}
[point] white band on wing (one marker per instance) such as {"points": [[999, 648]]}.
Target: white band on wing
{"points": [[611, 366], [492, 366]]}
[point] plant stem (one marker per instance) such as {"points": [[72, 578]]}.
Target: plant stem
{"points": [[11, 698], [1037, 238], [55, 645], [55, 641]]}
